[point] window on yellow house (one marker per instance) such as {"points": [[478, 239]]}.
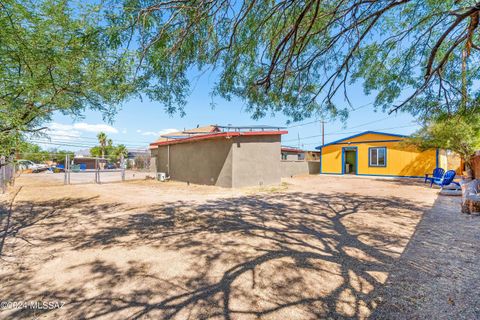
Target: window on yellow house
{"points": [[377, 157]]}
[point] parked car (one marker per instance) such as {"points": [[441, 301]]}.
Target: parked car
{"points": [[30, 165], [110, 166]]}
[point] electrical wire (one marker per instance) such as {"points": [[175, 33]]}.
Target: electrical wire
{"points": [[347, 132]]}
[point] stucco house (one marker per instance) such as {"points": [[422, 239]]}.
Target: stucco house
{"points": [[292, 153], [224, 156], [374, 153]]}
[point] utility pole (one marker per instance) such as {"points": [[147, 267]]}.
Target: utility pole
{"points": [[323, 133]]}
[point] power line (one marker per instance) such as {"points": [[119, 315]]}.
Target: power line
{"points": [[75, 140], [367, 123], [92, 138], [357, 126], [362, 106], [320, 120], [68, 143], [346, 132], [303, 124]]}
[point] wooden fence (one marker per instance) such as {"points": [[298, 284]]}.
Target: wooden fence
{"points": [[476, 165]]}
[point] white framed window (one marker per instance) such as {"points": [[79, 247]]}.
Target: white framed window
{"points": [[377, 157]]}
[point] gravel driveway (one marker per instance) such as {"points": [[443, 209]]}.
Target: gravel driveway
{"points": [[314, 247]]}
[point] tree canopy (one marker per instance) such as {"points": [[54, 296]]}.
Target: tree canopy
{"points": [[35, 153], [56, 57], [459, 133], [295, 57], [299, 57]]}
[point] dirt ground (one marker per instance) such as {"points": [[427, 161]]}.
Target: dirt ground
{"points": [[313, 247]]}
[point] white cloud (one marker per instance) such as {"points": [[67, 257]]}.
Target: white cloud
{"points": [[139, 131], [157, 133], [76, 128], [65, 134], [95, 127]]}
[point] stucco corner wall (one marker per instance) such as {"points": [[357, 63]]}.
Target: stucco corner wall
{"points": [[202, 162], [225, 162], [294, 168], [256, 160]]}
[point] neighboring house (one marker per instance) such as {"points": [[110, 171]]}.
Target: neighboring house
{"points": [[296, 154], [379, 154], [89, 163], [138, 159], [221, 156], [134, 153], [292, 153], [312, 155]]}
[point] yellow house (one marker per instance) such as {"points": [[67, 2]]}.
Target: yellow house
{"points": [[379, 154]]}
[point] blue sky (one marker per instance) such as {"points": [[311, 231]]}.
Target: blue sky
{"points": [[140, 122]]}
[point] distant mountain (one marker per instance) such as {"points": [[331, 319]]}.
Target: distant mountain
{"points": [[82, 153]]}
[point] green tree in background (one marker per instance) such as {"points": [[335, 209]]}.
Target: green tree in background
{"points": [[56, 56], [459, 133], [119, 151], [102, 141], [35, 153], [106, 149], [298, 57]]}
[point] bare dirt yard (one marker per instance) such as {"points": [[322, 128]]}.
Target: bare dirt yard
{"points": [[314, 247]]}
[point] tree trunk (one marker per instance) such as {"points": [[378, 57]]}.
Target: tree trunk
{"points": [[469, 168]]}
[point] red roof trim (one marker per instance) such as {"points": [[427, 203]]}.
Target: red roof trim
{"points": [[217, 135], [292, 150]]}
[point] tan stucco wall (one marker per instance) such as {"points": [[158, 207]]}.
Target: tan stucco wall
{"points": [[202, 162], [256, 160], [235, 162], [294, 168]]}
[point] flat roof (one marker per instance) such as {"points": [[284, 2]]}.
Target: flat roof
{"points": [[292, 149], [217, 135]]}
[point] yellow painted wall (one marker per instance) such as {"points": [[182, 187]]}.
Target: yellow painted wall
{"points": [[450, 161], [401, 160]]}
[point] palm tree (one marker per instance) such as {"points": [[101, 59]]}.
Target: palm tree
{"points": [[102, 140], [121, 150]]}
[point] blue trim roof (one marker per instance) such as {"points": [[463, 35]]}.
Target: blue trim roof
{"points": [[361, 134]]}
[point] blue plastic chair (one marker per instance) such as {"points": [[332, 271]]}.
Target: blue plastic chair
{"points": [[83, 166], [437, 174], [446, 180]]}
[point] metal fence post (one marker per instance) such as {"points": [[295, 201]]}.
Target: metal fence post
{"points": [[65, 169], [69, 168], [97, 173], [122, 166], [13, 171], [3, 173]]}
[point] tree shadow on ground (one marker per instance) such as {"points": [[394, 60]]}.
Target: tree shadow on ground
{"points": [[281, 255]]}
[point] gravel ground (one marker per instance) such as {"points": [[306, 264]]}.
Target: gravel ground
{"points": [[46, 178], [314, 247], [438, 275]]}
